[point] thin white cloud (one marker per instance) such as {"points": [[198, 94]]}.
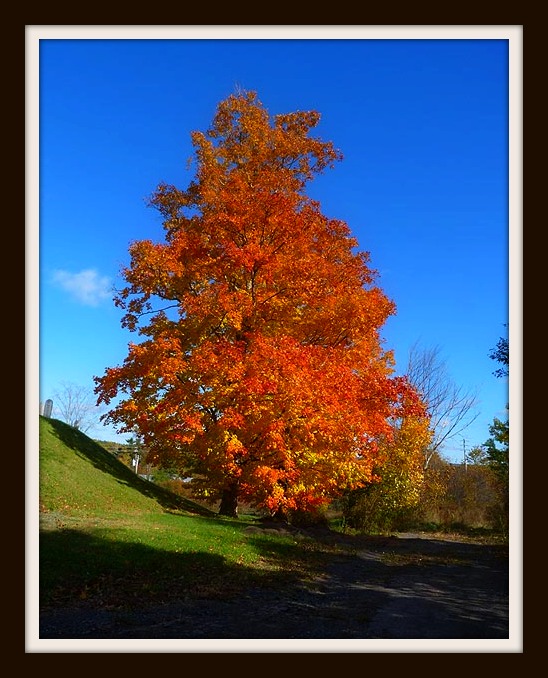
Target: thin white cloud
{"points": [[87, 287]]}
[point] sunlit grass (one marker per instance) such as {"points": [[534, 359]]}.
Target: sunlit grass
{"points": [[114, 539]]}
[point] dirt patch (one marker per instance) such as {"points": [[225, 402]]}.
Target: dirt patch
{"points": [[410, 586]]}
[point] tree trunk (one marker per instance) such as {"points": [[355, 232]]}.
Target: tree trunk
{"points": [[229, 501], [280, 516]]}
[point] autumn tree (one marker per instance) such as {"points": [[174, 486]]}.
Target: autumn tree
{"points": [[261, 367]]}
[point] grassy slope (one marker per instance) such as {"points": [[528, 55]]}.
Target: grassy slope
{"points": [[79, 477], [112, 539]]}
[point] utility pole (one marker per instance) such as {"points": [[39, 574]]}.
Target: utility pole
{"points": [[464, 454], [136, 460], [134, 445], [137, 453]]}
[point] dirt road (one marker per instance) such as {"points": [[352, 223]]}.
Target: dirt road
{"points": [[402, 587]]}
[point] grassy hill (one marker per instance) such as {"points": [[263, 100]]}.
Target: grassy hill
{"points": [[79, 477], [110, 538]]}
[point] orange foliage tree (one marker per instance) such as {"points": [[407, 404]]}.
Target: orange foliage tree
{"points": [[261, 368]]}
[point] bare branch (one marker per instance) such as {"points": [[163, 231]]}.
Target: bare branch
{"points": [[451, 409], [75, 405]]}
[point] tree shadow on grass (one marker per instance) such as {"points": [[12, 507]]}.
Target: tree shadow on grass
{"points": [[93, 588], [91, 451], [78, 568]]}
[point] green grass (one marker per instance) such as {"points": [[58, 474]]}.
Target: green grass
{"points": [[109, 538]]}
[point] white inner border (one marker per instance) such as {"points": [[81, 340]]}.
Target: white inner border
{"points": [[33, 35]]}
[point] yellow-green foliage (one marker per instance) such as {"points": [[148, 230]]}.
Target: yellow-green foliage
{"points": [[402, 471], [455, 494], [380, 506]]}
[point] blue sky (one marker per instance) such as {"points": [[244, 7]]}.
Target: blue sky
{"points": [[421, 119]]}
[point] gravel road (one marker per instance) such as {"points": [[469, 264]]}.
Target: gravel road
{"points": [[409, 586]]}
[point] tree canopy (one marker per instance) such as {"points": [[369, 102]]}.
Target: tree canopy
{"points": [[497, 447], [261, 368], [501, 353]]}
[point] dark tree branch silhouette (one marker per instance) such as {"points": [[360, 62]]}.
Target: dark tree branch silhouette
{"points": [[450, 407], [75, 405]]}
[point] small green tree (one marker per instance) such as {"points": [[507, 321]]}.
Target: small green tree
{"points": [[496, 458], [501, 353], [477, 456], [497, 447]]}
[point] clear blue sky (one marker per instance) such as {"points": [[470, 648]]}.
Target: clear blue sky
{"points": [[422, 123]]}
